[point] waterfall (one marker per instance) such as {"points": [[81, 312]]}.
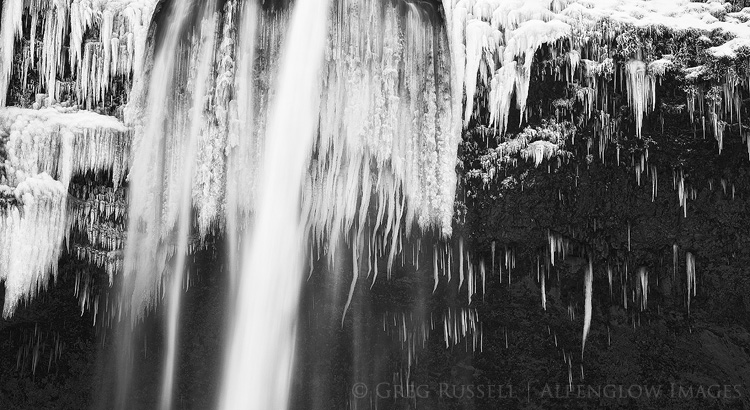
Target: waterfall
{"points": [[259, 361], [322, 130]]}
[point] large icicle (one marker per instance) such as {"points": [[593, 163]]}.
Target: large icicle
{"points": [[641, 91], [588, 291], [10, 28], [690, 274]]}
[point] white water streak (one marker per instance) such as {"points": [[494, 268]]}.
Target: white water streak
{"points": [[260, 356], [176, 288]]}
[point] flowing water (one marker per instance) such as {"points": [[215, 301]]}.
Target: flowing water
{"points": [[280, 128], [263, 331]]}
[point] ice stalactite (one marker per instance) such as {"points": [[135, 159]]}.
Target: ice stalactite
{"points": [[32, 230], [116, 54], [643, 287], [558, 245], [413, 331], [588, 292], [690, 276], [682, 190], [10, 29], [641, 87], [459, 323], [499, 39]]}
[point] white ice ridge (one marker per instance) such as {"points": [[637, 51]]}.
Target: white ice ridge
{"points": [[494, 41], [63, 142], [117, 50], [32, 230]]}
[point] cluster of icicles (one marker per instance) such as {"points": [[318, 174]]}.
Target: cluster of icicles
{"points": [[36, 345], [45, 148], [412, 332], [497, 41], [62, 39]]}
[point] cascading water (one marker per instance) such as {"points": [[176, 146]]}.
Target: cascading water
{"points": [[262, 334]]}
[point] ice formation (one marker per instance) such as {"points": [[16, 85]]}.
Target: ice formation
{"points": [[32, 230], [534, 144], [115, 53], [396, 90], [493, 45], [45, 148], [690, 276], [387, 143], [63, 142], [588, 292]]}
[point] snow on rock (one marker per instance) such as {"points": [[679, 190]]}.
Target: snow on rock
{"points": [[32, 229], [63, 142], [119, 50], [533, 144]]}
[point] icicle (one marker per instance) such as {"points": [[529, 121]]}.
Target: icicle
{"points": [[643, 282], [493, 256], [544, 293], [10, 28], [435, 268], [690, 273], [641, 90], [355, 275], [460, 262], [587, 303]]}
